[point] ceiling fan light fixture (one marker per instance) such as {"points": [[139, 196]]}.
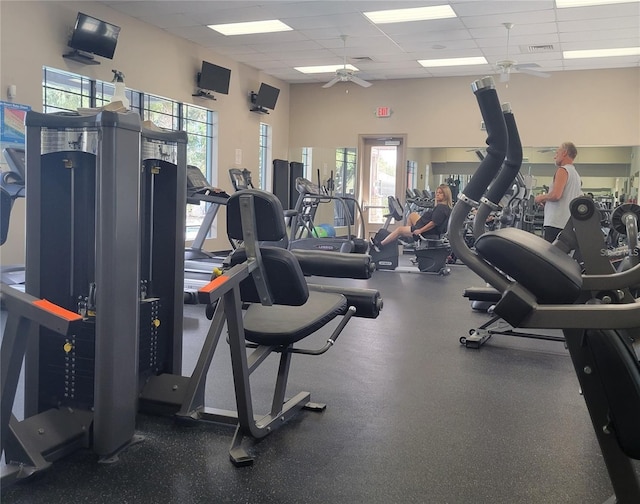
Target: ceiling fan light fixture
{"points": [[346, 73], [506, 66]]}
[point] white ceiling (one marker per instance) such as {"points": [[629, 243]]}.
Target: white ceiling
{"points": [[391, 51]]}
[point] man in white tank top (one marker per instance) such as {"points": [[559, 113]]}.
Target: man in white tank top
{"points": [[565, 187]]}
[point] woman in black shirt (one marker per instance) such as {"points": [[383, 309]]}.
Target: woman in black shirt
{"points": [[431, 224]]}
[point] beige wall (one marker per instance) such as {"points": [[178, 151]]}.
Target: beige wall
{"points": [[586, 107], [589, 108], [34, 34], [441, 119]]}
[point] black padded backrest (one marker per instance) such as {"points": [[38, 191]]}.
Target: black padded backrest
{"points": [[395, 208], [544, 270], [284, 276], [270, 225], [619, 372]]}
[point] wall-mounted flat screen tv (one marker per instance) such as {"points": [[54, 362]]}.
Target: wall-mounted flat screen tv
{"points": [[267, 96], [214, 78], [94, 36]]}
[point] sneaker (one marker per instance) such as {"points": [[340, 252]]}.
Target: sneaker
{"points": [[375, 245]]}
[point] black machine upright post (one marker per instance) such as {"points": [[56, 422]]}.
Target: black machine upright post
{"points": [[117, 288], [163, 207]]}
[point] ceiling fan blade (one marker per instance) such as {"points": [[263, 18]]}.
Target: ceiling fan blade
{"points": [[332, 82], [531, 71], [360, 82]]}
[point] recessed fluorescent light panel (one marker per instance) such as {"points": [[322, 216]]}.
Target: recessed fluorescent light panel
{"points": [[602, 53], [412, 14], [561, 4], [323, 69], [251, 27], [447, 62]]}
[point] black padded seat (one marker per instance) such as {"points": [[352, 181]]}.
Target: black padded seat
{"points": [[432, 242], [284, 325], [549, 274], [296, 312]]}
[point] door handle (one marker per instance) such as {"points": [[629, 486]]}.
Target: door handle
{"points": [[367, 207]]}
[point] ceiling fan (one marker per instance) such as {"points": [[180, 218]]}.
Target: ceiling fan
{"points": [[507, 66], [345, 74]]}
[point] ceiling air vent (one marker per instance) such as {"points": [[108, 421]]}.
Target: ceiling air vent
{"points": [[537, 48], [363, 59]]}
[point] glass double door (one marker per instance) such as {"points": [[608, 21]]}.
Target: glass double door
{"points": [[382, 174]]}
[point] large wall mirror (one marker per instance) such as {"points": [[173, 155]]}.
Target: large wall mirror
{"points": [[607, 172], [611, 174]]}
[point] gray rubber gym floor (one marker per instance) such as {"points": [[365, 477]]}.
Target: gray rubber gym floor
{"points": [[412, 417]]}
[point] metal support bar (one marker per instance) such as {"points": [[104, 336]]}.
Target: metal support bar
{"points": [[258, 356], [496, 325], [194, 396], [58, 432], [250, 235], [281, 385], [332, 339]]}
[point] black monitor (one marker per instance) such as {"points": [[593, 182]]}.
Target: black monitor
{"points": [[267, 97], [94, 36], [214, 78]]}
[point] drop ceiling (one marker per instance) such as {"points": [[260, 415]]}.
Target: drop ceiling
{"points": [[540, 34]]}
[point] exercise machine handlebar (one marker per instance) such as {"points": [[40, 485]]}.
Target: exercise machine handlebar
{"points": [[497, 140], [505, 177]]}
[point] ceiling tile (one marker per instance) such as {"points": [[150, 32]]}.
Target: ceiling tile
{"points": [[395, 48]]}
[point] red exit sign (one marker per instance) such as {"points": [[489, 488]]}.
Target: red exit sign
{"points": [[383, 112]]}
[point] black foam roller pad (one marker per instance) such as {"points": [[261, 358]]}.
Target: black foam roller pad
{"points": [[334, 264], [367, 302]]}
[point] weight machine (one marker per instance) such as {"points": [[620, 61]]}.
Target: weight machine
{"points": [[105, 227], [542, 287]]}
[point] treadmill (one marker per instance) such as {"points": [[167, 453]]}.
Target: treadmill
{"points": [[12, 187], [199, 263]]}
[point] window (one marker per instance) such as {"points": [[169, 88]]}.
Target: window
{"points": [[264, 157], [202, 127], [345, 183], [162, 112], [307, 162], [66, 92], [412, 170]]}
